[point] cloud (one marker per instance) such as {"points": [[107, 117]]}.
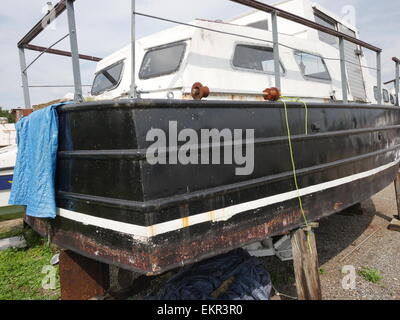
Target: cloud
{"points": [[104, 27]]}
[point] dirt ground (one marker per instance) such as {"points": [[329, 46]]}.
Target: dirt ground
{"points": [[338, 236]]}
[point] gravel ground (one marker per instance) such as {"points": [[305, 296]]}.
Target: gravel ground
{"points": [[338, 236]]}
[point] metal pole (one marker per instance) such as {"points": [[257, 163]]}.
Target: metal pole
{"points": [[379, 76], [397, 83], [24, 74], [74, 51], [133, 45], [276, 50], [343, 70]]}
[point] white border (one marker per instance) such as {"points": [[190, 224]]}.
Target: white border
{"points": [[224, 214]]}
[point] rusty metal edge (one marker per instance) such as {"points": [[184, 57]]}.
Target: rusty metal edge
{"points": [[59, 8], [60, 52]]}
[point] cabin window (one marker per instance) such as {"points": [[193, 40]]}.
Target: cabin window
{"points": [[107, 79], [162, 60], [255, 58], [376, 93], [312, 66], [386, 97], [324, 20], [392, 100]]}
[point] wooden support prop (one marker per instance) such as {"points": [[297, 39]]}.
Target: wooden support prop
{"points": [[397, 188], [82, 278], [306, 265]]}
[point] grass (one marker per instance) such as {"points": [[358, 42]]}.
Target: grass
{"points": [[322, 271], [21, 270], [10, 234], [370, 274]]}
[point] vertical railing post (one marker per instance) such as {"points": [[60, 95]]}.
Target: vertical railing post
{"points": [[24, 75], [133, 40], [343, 70], [397, 81], [75, 52], [379, 76], [276, 50]]}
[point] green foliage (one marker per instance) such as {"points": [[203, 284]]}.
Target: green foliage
{"points": [[16, 232], [370, 274], [322, 271], [8, 115], [21, 271]]}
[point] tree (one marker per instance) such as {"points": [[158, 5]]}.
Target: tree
{"points": [[7, 114]]}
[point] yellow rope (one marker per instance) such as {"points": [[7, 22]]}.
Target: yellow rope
{"points": [[305, 107], [294, 169]]}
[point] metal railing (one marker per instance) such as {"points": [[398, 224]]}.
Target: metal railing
{"points": [[275, 13], [25, 44]]}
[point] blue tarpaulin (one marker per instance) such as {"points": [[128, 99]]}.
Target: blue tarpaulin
{"points": [[235, 275], [34, 174]]}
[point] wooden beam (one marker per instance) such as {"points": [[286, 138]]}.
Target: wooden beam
{"points": [[306, 265]]}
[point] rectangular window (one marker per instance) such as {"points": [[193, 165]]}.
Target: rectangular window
{"points": [[107, 79], [255, 58], [392, 101], [386, 97], [376, 93], [312, 66], [162, 60], [322, 19]]}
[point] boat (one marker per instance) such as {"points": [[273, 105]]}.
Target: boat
{"points": [[8, 156], [167, 179]]}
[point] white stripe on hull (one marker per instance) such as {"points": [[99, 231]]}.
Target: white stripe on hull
{"points": [[224, 214]]}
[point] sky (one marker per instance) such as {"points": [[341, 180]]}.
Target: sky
{"points": [[104, 27]]}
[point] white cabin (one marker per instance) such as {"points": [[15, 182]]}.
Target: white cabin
{"points": [[235, 60]]}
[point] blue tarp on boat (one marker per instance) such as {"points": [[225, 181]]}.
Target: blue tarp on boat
{"points": [[34, 174]]}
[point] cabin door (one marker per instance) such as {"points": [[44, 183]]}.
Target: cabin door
{"points": [[353, 66]]}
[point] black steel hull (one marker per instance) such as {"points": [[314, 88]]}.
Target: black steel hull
{"points": [[119, 209]]}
